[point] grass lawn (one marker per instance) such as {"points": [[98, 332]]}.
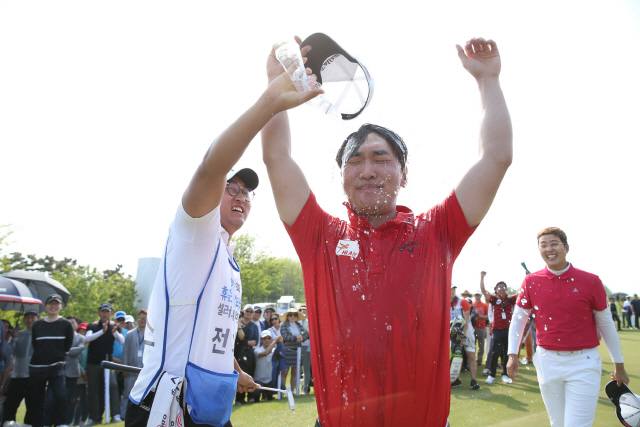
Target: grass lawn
{"points": [[498, 405]]}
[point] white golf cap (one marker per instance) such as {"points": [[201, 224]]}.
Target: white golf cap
{"points": [[128, 318], [266, 333], [478, 292], [248, 175], [248, 306]]}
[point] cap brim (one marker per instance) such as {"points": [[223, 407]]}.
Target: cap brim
{"points": [[247, 175], [323, 48], [615, 392]]}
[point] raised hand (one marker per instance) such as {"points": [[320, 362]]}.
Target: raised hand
{"points": [[274, 68], [480, 58]]}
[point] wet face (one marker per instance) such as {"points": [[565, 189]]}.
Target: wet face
{"points": [[553, 251], [234, 210], [372, 177]]}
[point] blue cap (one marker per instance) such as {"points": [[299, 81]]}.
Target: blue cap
{"points": [[120, 314]]}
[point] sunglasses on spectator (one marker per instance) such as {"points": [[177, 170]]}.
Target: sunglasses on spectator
{"points": [[292, 315], [266, 338], [275, 318], [248, 311]]}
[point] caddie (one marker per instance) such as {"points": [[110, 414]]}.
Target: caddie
{"points": [[196, 299]]}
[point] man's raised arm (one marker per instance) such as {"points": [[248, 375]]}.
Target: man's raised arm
{"points": [[290, 187], [207, 185], [479, 186]]}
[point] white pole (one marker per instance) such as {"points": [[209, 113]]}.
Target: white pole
{"points": [[299, 353], [107, 412]]}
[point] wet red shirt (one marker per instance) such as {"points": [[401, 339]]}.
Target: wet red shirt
{"points": [[563, 306], [378, 301]]}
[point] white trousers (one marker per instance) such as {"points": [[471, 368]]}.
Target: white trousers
{"points": [[570, 385]]}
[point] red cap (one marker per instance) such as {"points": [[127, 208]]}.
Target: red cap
{"points": [[83, 326]]}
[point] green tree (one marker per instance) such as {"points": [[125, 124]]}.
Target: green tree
{"points": [[17, 261], [292, 283], [260, 272]]}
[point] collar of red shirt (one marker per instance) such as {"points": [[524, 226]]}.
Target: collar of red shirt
{"points": [[567, 274], [403, 215]]}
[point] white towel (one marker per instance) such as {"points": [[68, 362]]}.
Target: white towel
{"points": [[166, 410]]}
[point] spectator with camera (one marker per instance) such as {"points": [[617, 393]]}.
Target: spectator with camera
{"points": [[263, 374], [480, 325], [461, 307]]}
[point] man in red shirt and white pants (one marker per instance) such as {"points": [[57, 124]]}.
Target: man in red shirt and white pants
{"points": [[570, 307], [385, 261]]}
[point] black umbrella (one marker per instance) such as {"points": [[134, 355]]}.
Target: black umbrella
{"points": [[40, 283], [17, 296]]}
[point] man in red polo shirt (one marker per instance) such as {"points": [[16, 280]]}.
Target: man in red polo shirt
{"points": [[502, 305], [570, 307], [385, 261]]}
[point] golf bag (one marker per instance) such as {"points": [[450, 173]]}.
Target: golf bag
{"points": [[456, 336]]}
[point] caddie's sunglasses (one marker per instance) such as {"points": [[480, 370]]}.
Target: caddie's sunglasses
{"points": [[234, 189]]}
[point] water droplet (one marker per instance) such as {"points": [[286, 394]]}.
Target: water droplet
{"points": [[524, 300], [545, 327], [389, 328], [536, 307]]}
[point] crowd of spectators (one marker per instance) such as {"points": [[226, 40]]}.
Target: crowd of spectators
{"points": [[53, 366], [271, 350], [491, 331]]}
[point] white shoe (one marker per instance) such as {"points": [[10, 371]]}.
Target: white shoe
{"points": [[525, 360], [490, 380], [506, 379], [116, 419], [90, 423]]}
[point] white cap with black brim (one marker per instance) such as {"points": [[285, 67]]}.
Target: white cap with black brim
{"points": [[345, 80], [247, 175], [626, 402]]}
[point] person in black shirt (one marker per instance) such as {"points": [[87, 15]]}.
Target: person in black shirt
{"points": [[51, 338], [635, 309], [614, 311], [100, 336]]}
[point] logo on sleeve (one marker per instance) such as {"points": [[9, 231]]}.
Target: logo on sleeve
{"points": [[348, 248]]}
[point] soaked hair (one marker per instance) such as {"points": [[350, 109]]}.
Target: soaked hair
{"points": [[356, 139], [556, 232]]}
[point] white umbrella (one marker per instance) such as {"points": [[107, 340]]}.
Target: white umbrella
{"points": [[40, 283]]}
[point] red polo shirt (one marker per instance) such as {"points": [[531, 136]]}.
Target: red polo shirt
{"points": [[563, 306], [378, 302], [482, 309], [500, 306]]}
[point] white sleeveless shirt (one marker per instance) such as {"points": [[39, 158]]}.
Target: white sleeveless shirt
{"points": [[196, 252]]}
